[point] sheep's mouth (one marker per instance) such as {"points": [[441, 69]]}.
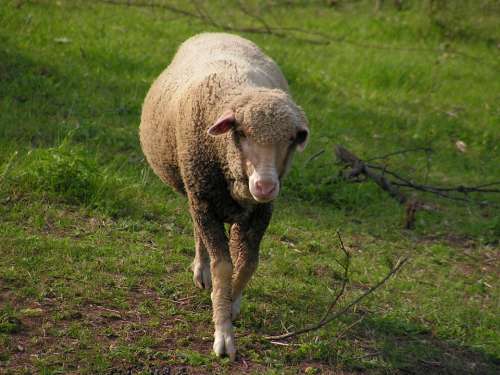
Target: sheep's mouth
{"points": [[264, 200], [265, 196]]}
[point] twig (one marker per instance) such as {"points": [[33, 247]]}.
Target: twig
{"points": [[348, 328], [108, 309], [254, 16], [359, 166], [279, 343], [328, 318], [367, 355], [435, 189], [314, 156], [181, 300], [152, 5], [391, 181], [345, 279], [425, 149], [311, 36]]}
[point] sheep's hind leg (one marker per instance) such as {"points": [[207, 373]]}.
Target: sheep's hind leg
{"points": [[201, 264]]}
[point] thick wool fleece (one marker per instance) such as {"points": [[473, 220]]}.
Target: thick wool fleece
{"points": [[210, 75]]}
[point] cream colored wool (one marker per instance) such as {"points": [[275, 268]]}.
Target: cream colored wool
{"points": [[211, 74]]}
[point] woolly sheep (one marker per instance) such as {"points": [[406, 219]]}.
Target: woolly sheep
{"points": [[219, 126]]}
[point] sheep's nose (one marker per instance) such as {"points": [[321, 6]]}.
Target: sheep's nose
{"points": [[265, 188]]}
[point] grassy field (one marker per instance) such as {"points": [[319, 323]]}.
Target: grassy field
{"points": [[95, 251]]}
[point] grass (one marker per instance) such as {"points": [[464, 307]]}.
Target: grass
{"points": [[95, 251]]}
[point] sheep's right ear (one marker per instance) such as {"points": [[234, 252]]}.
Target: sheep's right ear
{"points": [[223, 124]]}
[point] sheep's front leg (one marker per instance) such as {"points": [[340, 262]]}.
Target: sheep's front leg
{"points": [[222, 271], [201, 264], [212, 234], [244, 245], [245, 257]]}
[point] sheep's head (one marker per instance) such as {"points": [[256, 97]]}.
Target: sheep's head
{"points": [[264, 129]]}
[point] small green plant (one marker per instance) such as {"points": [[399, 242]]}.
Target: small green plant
{"points": [[194, 358], [62, 171], [9, 323], [68, 174]]}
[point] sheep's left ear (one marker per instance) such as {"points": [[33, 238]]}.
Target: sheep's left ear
{"points": [[223, 124], [302, 137]]}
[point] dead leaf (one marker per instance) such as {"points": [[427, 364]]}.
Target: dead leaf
{"points": [[461, 146], [62, 40], [32, 312]]}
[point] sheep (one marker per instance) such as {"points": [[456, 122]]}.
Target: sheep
{"points": [[219, 126]]}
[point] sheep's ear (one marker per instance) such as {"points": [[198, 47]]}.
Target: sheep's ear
{"points": [[302, 137], [223, 124]]}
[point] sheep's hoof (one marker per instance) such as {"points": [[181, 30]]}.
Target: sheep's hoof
{"points": [[235, 307], [224, 341], [201, 275]]}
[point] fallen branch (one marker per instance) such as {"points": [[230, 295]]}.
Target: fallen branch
{"points": [[360, 167], [391, 181], [328, 317], [483, 188]]}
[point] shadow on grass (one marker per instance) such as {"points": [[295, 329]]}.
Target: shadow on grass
{"points": [[415, 350], [44, 104], [391, 347]]}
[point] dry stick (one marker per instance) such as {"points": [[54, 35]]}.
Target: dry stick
{"points": [[257, 17], [400, 263], [314, 156], [348, 328], [359, 167], [425, 149], [344, 279]]}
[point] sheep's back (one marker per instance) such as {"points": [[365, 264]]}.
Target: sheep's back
{"points": [[231, 56]]}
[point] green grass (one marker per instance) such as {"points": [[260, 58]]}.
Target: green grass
{"points": [[95, 251]]}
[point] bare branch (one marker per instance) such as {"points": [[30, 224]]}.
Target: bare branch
{"points": [[345, 279], [359, 166], [348, 328], [257, 17], [400, 263], [400, 152], [308, 36], [138, 4]]}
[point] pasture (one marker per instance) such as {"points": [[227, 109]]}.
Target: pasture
{"points": [[95, 251]]}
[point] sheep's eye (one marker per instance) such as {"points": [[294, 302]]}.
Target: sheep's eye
{"points": [[240, 134], [301, 136]]}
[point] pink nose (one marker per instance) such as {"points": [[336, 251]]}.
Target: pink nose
{"points": [[265, 188]]}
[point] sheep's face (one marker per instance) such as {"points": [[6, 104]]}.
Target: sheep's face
{"points": [[265, 165], [266, 140]]}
